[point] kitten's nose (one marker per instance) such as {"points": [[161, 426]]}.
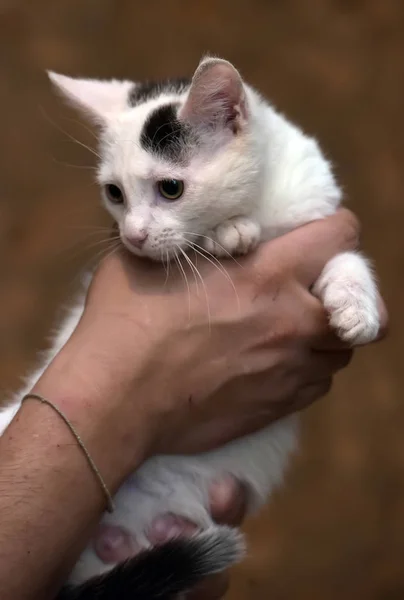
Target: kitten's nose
{"points": [[137, 239]]}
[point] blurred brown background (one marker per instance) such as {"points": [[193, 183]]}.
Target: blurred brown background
{"points": [[336, 530]]}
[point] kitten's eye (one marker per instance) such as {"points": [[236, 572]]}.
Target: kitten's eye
{"points": [[171, 189], [114, 193]]}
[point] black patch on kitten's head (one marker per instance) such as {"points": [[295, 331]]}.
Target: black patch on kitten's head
{"points": [[165, 135], [142, 92]]}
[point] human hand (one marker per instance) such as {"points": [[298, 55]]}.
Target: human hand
{"points": [[113, 544], [205, 362]]}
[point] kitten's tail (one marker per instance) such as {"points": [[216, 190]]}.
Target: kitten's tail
{"points": [[165, 571]]}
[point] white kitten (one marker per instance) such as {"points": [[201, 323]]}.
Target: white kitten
{"points": [[208, 164]]}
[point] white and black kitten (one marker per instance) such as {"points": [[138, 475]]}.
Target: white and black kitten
{"points": [[208, 165]]}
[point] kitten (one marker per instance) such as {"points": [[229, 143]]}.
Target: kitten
{"points": [[208, 165]]}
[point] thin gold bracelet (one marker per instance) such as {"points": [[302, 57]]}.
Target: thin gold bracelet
{"points": [[93, 466]]}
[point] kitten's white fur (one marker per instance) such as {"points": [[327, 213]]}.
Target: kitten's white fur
{"points": [[255, 181]]}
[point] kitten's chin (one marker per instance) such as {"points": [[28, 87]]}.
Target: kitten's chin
{"points": [[154, 254], [132, 249]]}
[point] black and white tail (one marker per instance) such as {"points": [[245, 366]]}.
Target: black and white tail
{"points": [[165, 571]]}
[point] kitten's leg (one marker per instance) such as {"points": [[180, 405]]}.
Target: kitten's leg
{"points": [[349, 293], [179, 485], [238, 235]]}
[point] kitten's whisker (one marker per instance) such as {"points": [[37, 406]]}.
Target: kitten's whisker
{"points": [[107, 255], [115, 238], [204, 253], [186, 281], [133, 142], [104, 252], [168, 267], [206, 237], [71, 137], [83, 145], [92, 262], [195, 255], [205, 293], [96, 229], [82, 248], [66, 164], [90, 236], [84, 127], [167, 135], [216, 263], [193, 268], [163, 262]]}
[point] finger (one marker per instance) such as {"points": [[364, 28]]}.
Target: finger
{"points": [[308, 248], [315, 325], [213, 588], [228, 500], [311, 393], [327, 363], [113, 544], [329, 342]]}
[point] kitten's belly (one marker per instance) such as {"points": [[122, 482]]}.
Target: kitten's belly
{"points": [[180, 485]]}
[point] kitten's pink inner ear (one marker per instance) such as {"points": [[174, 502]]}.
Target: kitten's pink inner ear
{"points": [[216, 97]]}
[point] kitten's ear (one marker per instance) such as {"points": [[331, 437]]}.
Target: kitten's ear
{"points": [[216, 97], [97, 98]]}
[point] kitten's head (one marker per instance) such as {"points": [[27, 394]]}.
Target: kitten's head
{"points": [[177, 158]]}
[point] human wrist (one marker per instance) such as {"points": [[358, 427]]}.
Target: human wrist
{"points": [[92, 395]]}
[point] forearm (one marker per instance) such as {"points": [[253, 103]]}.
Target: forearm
{"points": [[49, 497]]}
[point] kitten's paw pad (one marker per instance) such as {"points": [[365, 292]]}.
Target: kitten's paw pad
{"points": [[236, 237], [168, 527], [353, 314]]}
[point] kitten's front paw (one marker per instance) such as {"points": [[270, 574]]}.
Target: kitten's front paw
{"points": [[236, 236], [349, 294], [352, 316]]}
